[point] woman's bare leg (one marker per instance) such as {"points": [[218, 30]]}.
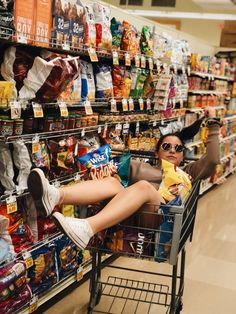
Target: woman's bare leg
{"points": [[89, 192], [124, 204]]}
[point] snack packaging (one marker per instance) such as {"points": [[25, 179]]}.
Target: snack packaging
{"points": [[90, 28], [7, 18], [146, 42], [103, 32], [77, 17], [139, 77], [41, 158], [173, 176], [87, 81], [6, 92], [116, 31], [122, 81], [130, 39], [43, 22], [6, 168], [130, 240], [46, 80], [42, 275], [103, 79]]}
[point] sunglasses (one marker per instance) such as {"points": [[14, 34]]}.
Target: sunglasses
{"points": [[177, 147]]}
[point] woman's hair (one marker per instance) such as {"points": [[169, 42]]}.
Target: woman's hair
{"points": [[163, 137], [185, 134]]}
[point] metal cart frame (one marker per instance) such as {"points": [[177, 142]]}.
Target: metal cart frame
{"points": [[169, 296]]}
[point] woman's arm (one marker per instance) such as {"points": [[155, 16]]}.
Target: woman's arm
{"points": [[205, 166]]}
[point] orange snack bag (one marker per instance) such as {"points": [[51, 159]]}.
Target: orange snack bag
{"points": [[43, 22]]}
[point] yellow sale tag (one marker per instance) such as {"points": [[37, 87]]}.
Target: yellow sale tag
{"points": [[35, 148], [80, 273], [125, 105], [88, 107], [127, 59], [29, 262], [113, 105], [115, 57], [63, 109], [92, 54], [150, 62], [131, 104], [141, 104], [137, 61], [143, 62], [33, 306], [12, 208], [38, 110]]}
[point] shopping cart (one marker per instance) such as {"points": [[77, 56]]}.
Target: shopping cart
{"points": [[161, 292]]}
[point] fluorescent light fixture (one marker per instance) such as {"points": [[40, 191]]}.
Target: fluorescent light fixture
{"points": [[184, 15]]}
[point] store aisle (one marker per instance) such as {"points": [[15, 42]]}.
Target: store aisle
{"points": [[210, 281]]}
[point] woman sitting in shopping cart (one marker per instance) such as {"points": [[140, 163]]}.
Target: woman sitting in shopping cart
{"points": [[124, 202]]}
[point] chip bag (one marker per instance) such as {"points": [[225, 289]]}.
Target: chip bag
{"points": [[172, 176]]}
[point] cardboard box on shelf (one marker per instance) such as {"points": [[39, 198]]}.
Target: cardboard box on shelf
{"points": [[228, 39], [43, 22], [24, 21]]}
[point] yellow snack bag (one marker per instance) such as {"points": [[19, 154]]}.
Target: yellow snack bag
{"points": [[6, 92], [174, 176]]}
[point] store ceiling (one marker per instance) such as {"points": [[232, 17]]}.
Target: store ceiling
{"points": [[215, 4]]}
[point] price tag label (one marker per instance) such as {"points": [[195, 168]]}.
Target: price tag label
{"points": [[131, 104], [125, 104], [154, 123], [141, 103], [80, 273], [150, 63], [113, 105], [125, 128], [66, 46], [38, 110], [11, 204], [181, 102], [99, 129], [83, 132], [35, 148], [33, 306], [63, 109], [183, 69], [115, 57], [88, 107], [118, 128], [92, 54], [143, 62], [148, 104], [137, 61], [21, 38], [105, 131], [29, 262], [188, 70], [15, 110], [137, 128], [175, 69], [127, 59]]}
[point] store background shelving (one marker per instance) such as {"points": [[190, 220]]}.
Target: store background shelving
{"points": [[200, 47]]}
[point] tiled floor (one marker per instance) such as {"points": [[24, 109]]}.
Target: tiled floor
{"points": [[210, 279]]}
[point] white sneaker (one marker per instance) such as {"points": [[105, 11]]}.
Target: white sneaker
{"points": [[45, 196], [78, 230]]}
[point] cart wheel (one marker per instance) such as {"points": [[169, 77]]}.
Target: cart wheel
{"points": [[98, 293], [179, 307]]}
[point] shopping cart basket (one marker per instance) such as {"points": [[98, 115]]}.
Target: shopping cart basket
{"points": [[161, 292]]}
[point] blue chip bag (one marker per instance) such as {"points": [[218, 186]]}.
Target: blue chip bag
{"points": [[99, 163], [122, 163], [164, 236], [68, 257]]}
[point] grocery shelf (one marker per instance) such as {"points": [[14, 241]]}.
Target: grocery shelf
{"points": [[200, 109], [228, 138], [233, 117], [192, 144], [212, 76], [207, 92], [227, 156]]}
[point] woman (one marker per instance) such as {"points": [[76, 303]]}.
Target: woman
{"points": [[145, 180]]}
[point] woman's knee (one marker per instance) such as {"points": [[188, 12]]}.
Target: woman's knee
{"points": [[144, 186], [114, 184]]}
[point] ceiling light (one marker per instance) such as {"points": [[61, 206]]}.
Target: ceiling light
{"points": [[184, 15]]}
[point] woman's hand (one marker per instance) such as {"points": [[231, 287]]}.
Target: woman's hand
{"points": [[174, 189]]}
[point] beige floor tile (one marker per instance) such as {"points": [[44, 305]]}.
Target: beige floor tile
{"points": [[210, 281]]}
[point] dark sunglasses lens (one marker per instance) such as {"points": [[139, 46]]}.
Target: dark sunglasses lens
{"points": [[179, 148], [166, 146]]}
